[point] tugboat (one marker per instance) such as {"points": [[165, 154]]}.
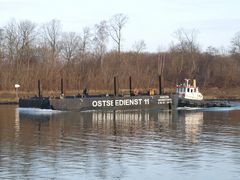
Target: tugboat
{"points": [[189, 92], [189, 96]]}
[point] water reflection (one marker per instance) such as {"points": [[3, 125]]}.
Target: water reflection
{"points": [[17, 126], [193, 126], [119, 144], [193, 122], [133, 122], [113, 122]]}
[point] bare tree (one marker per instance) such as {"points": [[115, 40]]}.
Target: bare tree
{"points": [[27, 34], [1, 44], [12, 42], [85, 43], [186, 44], [139, 46], [117, 22], [19, 48], [70, 45], [52, 34], [212, 51], [100, 40], [236, 43], [186, 40]]}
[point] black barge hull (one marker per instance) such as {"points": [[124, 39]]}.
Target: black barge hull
{"points": [[158, 102], [35, 102]]}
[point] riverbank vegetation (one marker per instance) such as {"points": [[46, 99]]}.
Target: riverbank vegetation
{"points": [[31, 52]]}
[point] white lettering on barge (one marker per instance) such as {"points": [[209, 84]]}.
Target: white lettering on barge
{"points": [[120, 102]]}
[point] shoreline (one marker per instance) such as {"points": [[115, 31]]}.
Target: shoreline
{"points": [[233, 94], [8, 102]]}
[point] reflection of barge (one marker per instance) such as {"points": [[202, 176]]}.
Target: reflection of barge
{"points": [[101, 102]]}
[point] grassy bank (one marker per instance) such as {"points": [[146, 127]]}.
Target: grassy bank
{"points": [[8, 97]]}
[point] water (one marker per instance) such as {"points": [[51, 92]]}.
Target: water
{"points": [[187, 144]]}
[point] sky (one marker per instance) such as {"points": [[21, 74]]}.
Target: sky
{"points": [[153, 21]]}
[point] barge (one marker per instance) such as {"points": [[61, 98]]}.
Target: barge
{"points": [[84, 102], [186, 95]]}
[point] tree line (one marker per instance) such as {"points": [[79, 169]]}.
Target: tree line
{"points": [[29, 52]]}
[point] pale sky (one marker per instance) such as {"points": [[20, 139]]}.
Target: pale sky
{"points": [[153, 21]]}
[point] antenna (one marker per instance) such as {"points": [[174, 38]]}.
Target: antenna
{"points": [[187, 80]]}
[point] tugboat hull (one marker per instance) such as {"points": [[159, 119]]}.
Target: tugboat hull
{"points": [[202, 103]]}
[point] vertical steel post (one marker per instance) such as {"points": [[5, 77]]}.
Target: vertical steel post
{"points": [[115, 86], [130, 85], [61, 86], [39, 88], [160, 84]]}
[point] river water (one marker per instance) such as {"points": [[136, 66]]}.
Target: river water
{"points": [[185, 144]]}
